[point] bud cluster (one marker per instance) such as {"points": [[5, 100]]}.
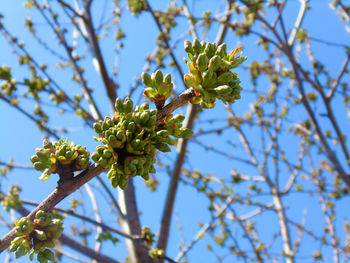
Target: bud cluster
{"points": [[210, 72], [156, 253], [159, 87], [60, 154], [131, 139], [148, 236], [8, 86], [38, 235], [12, 201]]}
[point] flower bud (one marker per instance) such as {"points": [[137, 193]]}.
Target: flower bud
{"points": [[221, 50], [223, 90], [214, 63], [202, 62], [188, 47], [190, 81], [224, 78], [149, 92], [158, 76], [128, 105], [97, 127], [210, 49], [119, 106], [95, 156], [146, 79], [39, 166], [163, 147], [197, 47], [144, 117], [167, 78]]}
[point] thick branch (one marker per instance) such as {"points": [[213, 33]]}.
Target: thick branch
{"points": [[55, 197]]}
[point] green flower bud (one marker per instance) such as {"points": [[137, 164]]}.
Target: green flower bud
{"points": [[131, 126], [123, 182], [150, 92], [214, 63], [197, 47], [128, 105], [144, 106], [129, 136], [39, 234], [49, 255], [119, 106], [107, 153], [224, 78], [210, 49], [144, 116], [202, 62], [190, 80], [20, 251], [179, 118], [97, 127], [40, 166], [115, 180], [188, 47], [223, 90], [112, 173], [158, 76], [105, 126], [163, 147], [185, 133], [95, 156], [34, 159], [146, 79], [167, 78], [221, 50], [163, 133]]}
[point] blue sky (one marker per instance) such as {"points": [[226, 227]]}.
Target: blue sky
{"points": [[20, 140]]}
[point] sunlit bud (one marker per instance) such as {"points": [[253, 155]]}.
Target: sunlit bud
{"points": [[119, 106], [190, 80], [202, 62], [39, 166], [188, 47], [49, 255], [221, 50], [223, 90], [149, 92], [158, 76], [128, 105], [167, 78], [197, 47], [214, 63], [146, 79], [210, 49], [163, 147], [224, 78], [97, 127]]}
